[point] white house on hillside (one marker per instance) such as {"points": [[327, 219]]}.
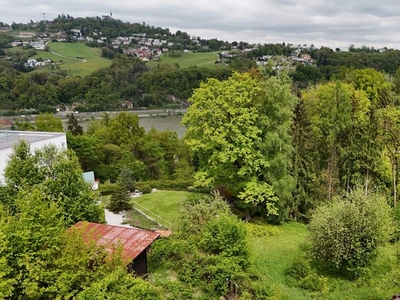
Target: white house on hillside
{"points": [[37, 140]]}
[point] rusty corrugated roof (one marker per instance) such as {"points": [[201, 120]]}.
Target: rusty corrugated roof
{"points": [[133, 240]]}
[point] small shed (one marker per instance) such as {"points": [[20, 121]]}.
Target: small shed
{"points": [[89, 178], [134, 241]]}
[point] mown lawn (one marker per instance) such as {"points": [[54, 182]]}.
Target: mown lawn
{"points": [[164, 204], [186, 60]]}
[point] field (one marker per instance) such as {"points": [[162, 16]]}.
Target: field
{"points": [[78, 59], [186, 60]]}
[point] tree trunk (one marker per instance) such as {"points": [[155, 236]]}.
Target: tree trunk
{"points": [[331, 167], [247, 214], [366, 182]]}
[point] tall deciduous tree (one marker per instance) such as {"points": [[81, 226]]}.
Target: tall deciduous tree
{"points": [[338, 115], [235, 130], [389, 121]]}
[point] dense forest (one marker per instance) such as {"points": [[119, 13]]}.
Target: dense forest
{"points": [[126, 79]]}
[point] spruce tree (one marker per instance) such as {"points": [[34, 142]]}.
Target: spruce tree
{"points": [[120, 199]]}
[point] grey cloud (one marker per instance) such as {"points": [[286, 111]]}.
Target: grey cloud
{"points": [[328, 22]]}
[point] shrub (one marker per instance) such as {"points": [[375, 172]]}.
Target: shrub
{"points": [[346, 233], [226, 236], [143, 187], [264, 230], [303, 275], [175, 185], [314, 283], [170, 251], [107, 188]]}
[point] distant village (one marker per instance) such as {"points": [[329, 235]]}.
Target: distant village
{"points": [[150, 48]]}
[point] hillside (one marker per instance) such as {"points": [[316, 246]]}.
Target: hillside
{"points": [[77, 58]]}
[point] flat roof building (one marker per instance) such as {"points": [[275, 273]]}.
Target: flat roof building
{"points": [[37, 140]]}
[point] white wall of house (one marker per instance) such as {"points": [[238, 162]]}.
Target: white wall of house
{"points": [[60, 141]]}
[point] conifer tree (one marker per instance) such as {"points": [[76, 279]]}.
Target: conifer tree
{"points": [[120, 199], [73, 125]]}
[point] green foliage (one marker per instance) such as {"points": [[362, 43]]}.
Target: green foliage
{"points": [[395, 213], [60, 177], [107, 188], [301, 274], [126, 179], [208, 253], [73, 126], [346, 233], [225, 236], [238, 132], [174, 185], [120, 199], [195, 214], [171, 251], [262, 230], [143, 187], [119, 285], [40, 260], [48, 123]]}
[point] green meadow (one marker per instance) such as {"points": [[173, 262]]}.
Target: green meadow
{"points": [[186, 60], [78, 59]]}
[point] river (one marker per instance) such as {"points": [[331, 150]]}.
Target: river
{"points": [[163, 123]]}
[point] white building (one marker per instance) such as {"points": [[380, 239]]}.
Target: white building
{"points": [[8, 139]]}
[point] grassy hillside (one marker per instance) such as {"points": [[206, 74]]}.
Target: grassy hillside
{"points": [[186, 60], [78, 59]]}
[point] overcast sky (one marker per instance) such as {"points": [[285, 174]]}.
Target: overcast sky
{"points": [[333, 23]]}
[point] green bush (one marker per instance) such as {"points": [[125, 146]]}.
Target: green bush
{"points": [[143, 187], [107, 188], [346, 233], [264, 230], [170, 251], [175, 185], [301, 274], [177, 290], [314, 283], [298, 270], [226, 236]]}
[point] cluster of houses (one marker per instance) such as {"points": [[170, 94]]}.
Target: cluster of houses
{"points": [[38, 44], [34, 63]]}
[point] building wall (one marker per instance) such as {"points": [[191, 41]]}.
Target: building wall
{"points": [[60, 141]]}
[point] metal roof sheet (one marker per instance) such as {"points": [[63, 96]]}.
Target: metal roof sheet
{"points": [[134, 241]]}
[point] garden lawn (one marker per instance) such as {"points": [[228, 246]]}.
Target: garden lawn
{"points": [[273, 255], [186, 60], [164, 204]]}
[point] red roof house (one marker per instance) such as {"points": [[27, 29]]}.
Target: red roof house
{"points": [[135, 242]]}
